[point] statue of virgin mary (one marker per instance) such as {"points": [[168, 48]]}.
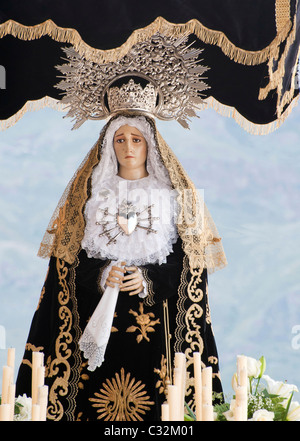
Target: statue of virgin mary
{"points": [[130, 247]]}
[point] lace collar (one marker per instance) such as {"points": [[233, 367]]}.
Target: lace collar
{"points": [[131, 220]]}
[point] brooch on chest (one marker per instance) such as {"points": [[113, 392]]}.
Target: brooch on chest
{"points": [[125, 221]]}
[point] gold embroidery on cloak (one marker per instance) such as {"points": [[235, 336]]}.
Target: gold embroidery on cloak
{"points": [[145, 323], [164, 379], [122, 399], [60, 367]]}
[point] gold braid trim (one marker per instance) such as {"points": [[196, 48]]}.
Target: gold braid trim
{"points": [[194, 26]]}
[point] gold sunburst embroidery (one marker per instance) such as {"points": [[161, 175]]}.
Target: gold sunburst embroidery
{"points": [[145, 323], [122, 399]]}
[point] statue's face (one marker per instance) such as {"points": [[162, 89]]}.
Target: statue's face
{"points": [[130, 147]]}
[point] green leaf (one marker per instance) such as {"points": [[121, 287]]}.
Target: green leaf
{"points": [[190, 412], [188, 418], [263, 366]]}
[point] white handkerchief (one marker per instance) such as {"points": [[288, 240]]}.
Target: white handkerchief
{"points": [[95, 337]]}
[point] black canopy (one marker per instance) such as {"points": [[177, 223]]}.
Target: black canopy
{"points": [[251, 47]]}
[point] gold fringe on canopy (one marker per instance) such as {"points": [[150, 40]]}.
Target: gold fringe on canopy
{"points": [[286, 31], [209, 36], [32, 106], [212, 103]]}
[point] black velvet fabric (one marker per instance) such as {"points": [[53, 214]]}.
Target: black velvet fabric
{"points": [[127, 385]]}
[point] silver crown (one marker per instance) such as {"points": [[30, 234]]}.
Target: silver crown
{"points": [[132, 96], [168, 64]]}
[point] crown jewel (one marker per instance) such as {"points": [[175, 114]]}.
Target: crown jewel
{"points": [[132, 96], [168, 64]]}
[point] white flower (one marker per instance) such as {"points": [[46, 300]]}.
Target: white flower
{"points": [[25, 410], [279, 387], [253, 367], [229, 414], [294, 411], [262, 415]]}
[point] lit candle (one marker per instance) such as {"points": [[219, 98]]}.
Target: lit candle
{"points": [[165, 415], [5, 412], [198, 385]]}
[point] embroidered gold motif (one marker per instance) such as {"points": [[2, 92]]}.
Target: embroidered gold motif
{"points": [[145, 323], [164, 380], [31, 347], [122, 399]]}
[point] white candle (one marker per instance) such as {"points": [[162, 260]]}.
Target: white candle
{"points": [[43, 402], [207, 408], [242, 402], [174, 406], [37, 362], [11, 400], [165, 414], [180, 381], [6, 381], [198, 385], [40, 376], [35, 412], [238, 413], [207, 412], [207, 385], [242, 370], [5, 412], [11, 357]]}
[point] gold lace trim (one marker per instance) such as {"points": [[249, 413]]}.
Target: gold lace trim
{"points": [[59, 367]]}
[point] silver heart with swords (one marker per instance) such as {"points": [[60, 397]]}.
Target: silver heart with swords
{"points": [[126, 220]]}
